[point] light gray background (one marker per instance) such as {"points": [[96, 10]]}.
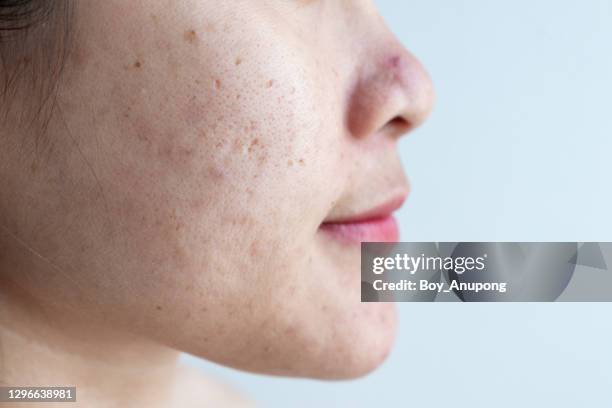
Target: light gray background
{"points": [[518, 149]]}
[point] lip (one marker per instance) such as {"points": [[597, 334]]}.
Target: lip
{"points": [[375, 225]]}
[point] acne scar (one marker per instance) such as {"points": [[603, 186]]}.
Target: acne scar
{"points": [[190, 36]]}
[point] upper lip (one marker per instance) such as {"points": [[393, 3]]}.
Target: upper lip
{"points": [[377, 212]]}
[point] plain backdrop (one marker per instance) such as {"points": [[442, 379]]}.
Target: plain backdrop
{"points": [[518, 149]]}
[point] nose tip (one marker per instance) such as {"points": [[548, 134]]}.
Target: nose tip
{"points": [[393, 93]]}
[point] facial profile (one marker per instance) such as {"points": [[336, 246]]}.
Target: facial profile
{"points": [[205, 175]]}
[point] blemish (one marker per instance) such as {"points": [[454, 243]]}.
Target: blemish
{"points": [[215, 172], [289, 163], [238, 61], [217, 84], [138, 64], [302, 162], [190, 36], [253, 144], [270, 83], [158, 307]]}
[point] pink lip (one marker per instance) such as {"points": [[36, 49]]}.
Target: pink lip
{"points": [[375, 225]]}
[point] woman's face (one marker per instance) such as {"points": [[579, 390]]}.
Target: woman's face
{"points": [[195, 151]]}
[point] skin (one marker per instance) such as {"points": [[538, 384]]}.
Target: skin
{"points": [[194, 151]]}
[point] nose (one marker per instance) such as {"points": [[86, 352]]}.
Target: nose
{"points": [[391, 91]]}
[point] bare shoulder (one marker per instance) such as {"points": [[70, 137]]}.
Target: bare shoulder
{"points": [[196, 390]]}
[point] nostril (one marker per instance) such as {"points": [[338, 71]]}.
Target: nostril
{"points": [[398, 126]]}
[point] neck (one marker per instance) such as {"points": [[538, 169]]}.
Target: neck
{"points": [[108, 368]]}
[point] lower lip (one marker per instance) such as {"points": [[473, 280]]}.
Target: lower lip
{"points": [[377, 230]]}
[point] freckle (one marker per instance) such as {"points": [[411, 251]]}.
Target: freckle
{"points": [[290, 163], [270, 83], [302, 162], [237, 96], [159, 307], [190, 36], [238, 61], [217, 84]]}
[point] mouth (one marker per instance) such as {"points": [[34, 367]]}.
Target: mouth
{"points": [[375, 225]]}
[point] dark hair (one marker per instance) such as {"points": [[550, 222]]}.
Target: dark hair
{"points": [[34, 38]]}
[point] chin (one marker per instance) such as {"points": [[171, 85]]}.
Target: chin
{"points": [[362, 345]]}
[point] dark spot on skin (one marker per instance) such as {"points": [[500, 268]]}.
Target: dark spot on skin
{"points": [[262, 158], [204, 310], [142, 137], [197, 82], [215, 173], [238, 61], [289, 163], [217, 84], [190, 36], [34, 168], [158, 307], [301, 161], [270, 83], [237, 96], [137, 64], [253, 145]]}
